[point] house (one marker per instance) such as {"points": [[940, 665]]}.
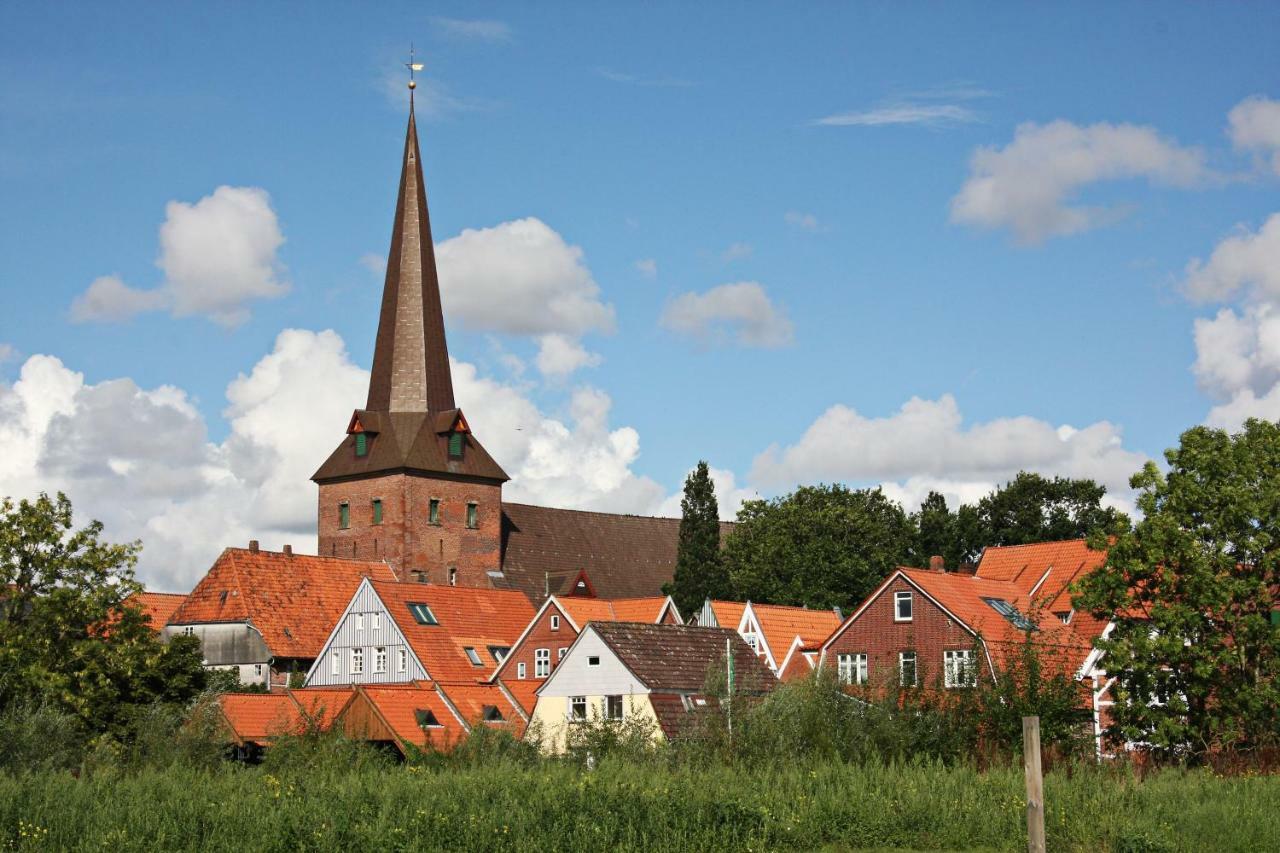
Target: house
{"points": [[427, 716], [157, 607], [547, 637], [252, 721], [266, 614], [654, 675], [776, 632]]}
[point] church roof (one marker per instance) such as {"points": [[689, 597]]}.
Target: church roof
{"points": [[625, 556], [416, 441]]}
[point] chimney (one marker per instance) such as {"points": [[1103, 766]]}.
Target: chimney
{"points": [[936, 564], [288, 550], [253, 546]]}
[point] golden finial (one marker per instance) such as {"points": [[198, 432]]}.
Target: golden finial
{"points": [[413, 66]]}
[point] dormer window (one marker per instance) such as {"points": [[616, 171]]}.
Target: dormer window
{"points": [[362, 444], [425, 718], [455, 445]]}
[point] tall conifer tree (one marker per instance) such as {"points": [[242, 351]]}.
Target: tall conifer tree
{"points": [[700, 570]]}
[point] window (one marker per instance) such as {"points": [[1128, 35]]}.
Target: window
{"points": [[453, 576], [362, 444], [577, 707], [473, 513], [380, 659], [753, 641], [377, 510], [593, 661], [425, 718], [555, 623], [335, 663], [520, 671], [422, 614], [907, 669], [613, 707], [902, 607], [375, 621], [189, 631], [560, 653], [433, 511], [455, 444], [499, 652], [473, 656], [852, 668], [958, 669], [491, 714], [357, 661], [344, 516], [359, 617], [1011, 613], [257, 670], [402, 660], [541, 663]]}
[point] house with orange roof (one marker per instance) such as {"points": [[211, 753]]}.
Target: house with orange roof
{"points": [[157, 607], [547, 637], [267, 614], [252, 721], [427, 716], [778, 633]]}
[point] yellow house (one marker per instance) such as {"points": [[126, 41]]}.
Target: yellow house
{"points": [[642, 674]]}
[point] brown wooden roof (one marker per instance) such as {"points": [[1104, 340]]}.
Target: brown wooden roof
{"points": [[677, 658], [408, 441], [625, 556]]}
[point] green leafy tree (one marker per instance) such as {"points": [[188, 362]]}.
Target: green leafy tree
{"points": [[69, 636], [1192, 590], [820, 546], [700, 570], [1032, 508], [954, 536]]}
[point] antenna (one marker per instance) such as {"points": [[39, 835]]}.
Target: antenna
{"points": [[413, 66]]}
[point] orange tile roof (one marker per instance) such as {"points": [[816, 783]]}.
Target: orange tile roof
{"points": [[478, 618], [323, 705], [293, 600], [795, 665], [728, 613], [259, 717], [781, 625], [526, 692], [638, 609], [158, 606], [471, 699], [584, 610], [1060, 564], [397, 704]]}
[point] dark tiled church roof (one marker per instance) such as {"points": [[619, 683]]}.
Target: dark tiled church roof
{"points": [[624, 556], [416, 441]]}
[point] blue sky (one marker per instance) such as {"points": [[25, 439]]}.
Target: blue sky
{"points": [[821, 154]]}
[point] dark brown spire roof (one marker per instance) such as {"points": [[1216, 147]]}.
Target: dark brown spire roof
{"points": [[410, 358]]}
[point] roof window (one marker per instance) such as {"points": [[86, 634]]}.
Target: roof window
{"points": [[426, 718], [491, 714], [473, 656], [1011, 613], [422, 614]]}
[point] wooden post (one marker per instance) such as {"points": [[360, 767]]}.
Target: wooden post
{"points": [[1035, 784]]}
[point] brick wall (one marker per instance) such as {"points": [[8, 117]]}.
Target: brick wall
{"points": [[875, 633], [406, 539], [540, 636]]}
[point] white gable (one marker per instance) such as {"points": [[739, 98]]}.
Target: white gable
{"points": [[366, 625]]}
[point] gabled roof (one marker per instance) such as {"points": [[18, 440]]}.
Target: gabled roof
{"points": [[158, 606], [397, 707], [584, 610], [261, 717], [625, 556], [473, 701], [727, 614], [677, 713], [523, 691], [1046, 571], [478, 618], [677, 658], [781, 625], [799, 661], [322, 705], [293, 600]]}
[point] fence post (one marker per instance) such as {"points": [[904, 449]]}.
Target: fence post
{"points": [[1035, 784]]}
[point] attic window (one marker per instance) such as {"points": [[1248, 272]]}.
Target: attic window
{"points": [[455, 445], [594, 660], [491, 714], [1011, 613], [426, 718], [422, 614], [499, 652], [473, 656], [362, 444]]}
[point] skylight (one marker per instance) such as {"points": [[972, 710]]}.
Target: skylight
{"points": [[1011, 613], [499, 652], [425, 718], [472, 655], [422, 614]]}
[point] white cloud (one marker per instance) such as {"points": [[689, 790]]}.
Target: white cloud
{"points": [[741, 312], [729, 495], [474, 30], [736, 252], [141, 460], [657, 82], [926, 444], [217, 255], [1027, 185], [1248, 262], [1238, 351], [807, 221], [559, 356], [374, 263], [647, 267], [906, 112], [1254, 125]]}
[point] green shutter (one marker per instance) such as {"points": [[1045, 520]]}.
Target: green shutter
{"points": [[377, 512], [433, 511], [455, 444], [362, 444], [344, 516]]}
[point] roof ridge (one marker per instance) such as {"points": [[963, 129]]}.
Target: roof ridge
{"points": [[1083, 539], [506, 504]]}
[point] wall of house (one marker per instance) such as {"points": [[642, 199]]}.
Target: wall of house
{"points": [[550, 717], [875, 633], [540, 636], [229, 646], [406, 539], [575, 678], [347, 637]]}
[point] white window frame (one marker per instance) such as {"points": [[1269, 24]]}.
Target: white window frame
{"points": [[359, 617], [335, 662], [574, 703], [560, 653], [752, 640], [852, 667], [541, 663], [915, 669], [375, 621], [473, 656], [357, 661], [555, 622], [622, 707], [380, 659], [594, 660], [898, 599], [521, 669], [963, 674], [402, 660]]}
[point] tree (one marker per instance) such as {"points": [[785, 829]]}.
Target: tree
{"points": [[69, 635], [1033, 508], [955, 536], [820, 546], [1191, 592], [700, 571]]}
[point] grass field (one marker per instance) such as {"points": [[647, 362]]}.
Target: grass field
{"points": [[624, 805]]}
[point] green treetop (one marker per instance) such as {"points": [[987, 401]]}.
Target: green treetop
{"points": [[700, 570]]}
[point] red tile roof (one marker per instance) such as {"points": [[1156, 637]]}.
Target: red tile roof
{"points": [[1050, 568], [260, 717], [781, 625], [796, 664], [158, 606], [584, 610], [728, 613], [471, 700], [322, 705], [525, 692], [292, 599], [396, 705], [477, 618]]}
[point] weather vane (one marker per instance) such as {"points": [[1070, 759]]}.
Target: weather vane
{"points": [[413, 66]]}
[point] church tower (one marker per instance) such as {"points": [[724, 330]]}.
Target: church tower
{"points": [[409, 483]]}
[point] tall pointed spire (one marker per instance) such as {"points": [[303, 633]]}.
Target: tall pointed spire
{"points": [[410, 357]]}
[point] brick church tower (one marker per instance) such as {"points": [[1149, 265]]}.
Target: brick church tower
{"points": [[410, 484]]}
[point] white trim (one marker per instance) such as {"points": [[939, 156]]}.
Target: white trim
{"points": [[511, 699], [762, 643], [525, 633], [910, 599], [448, 703], [796, 643], [408, 644], [1095, 654], [574, 645], [1043, 578], [669, 604]]}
